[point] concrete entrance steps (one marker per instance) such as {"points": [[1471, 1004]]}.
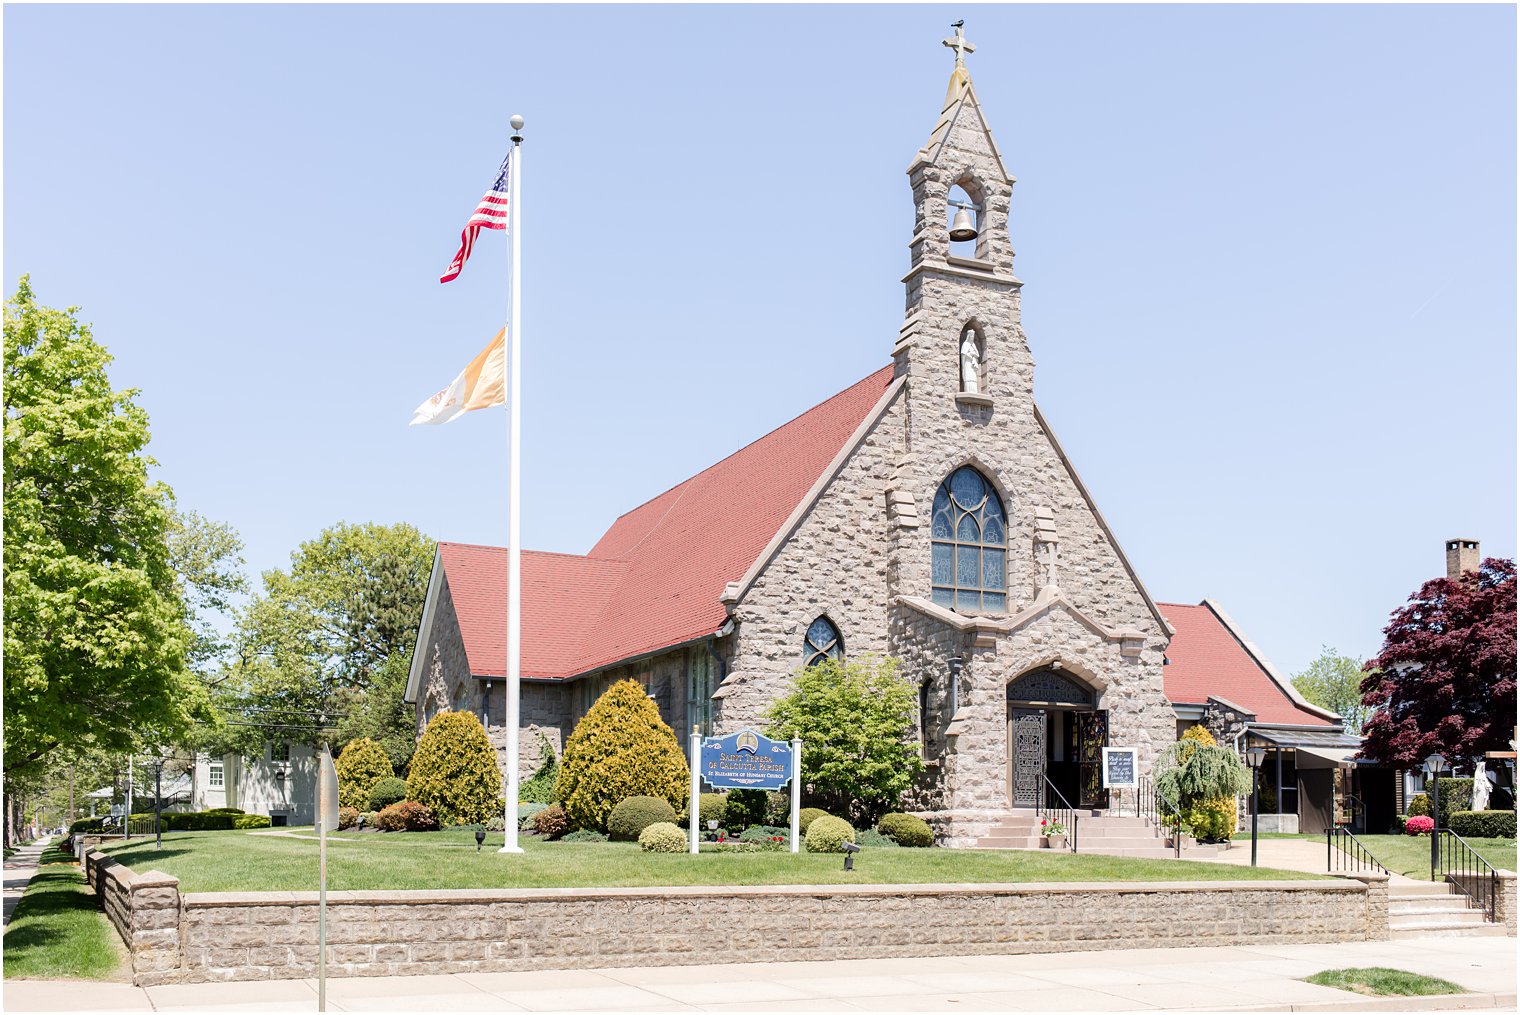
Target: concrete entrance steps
{"points": [[1097, 832], [1434, 909]]}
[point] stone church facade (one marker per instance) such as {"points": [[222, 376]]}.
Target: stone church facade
{"points": [[926, 513]]}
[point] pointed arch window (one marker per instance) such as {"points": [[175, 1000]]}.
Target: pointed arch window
{"points": [[970, 544], [821, 642]]}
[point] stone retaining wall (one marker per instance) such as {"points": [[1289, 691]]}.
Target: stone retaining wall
{"points": [[145, 910]]}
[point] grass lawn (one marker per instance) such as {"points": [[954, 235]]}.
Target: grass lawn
{"points": [[247, 861], [1409, 855], [58, 930], [1379, 981]]}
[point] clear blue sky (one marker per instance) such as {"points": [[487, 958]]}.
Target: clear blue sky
{"points": [[1269, 256]]}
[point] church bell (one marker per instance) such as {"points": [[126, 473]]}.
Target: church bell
{"points": [[962, 229]]}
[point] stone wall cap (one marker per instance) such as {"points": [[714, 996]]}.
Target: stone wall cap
{"points": [[155, 879], [466, 895], [1365, 876]]}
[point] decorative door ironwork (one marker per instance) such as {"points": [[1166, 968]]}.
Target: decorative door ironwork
{"points": [[1092, 737], [1028, 756]]}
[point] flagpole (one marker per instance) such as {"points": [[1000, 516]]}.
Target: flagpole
{"points": [[514, 498]]}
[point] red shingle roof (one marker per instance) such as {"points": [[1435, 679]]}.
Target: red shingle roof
{"points": [[1205, 659], [654, 579]]}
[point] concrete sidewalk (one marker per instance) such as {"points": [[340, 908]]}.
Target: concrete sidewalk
{"points": [[1244, 978], [18, 874]]}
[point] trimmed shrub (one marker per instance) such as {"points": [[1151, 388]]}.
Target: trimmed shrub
{"points": [[1419, 806], [551, 822], [454, 770], [906, 830], [250, 821], [348, 817], [583, 835], [874, 839], [806, 817], [361, 764], [498, 823], [1211, 820], [764, 833], [407, 816], [387, 792], [367, 818], [778, 808], [86, 825], [711, 807], [1484, 824], [828, 835], [226, 810], [662, 837], [540, 788], [1456, 795], [744, 807], [620, 748], [1420, 824], [525, 813], [635, 814]]}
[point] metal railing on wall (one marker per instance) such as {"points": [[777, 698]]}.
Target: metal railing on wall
{"points": [[1344, 852], [1063, 812], [1156, 809], [1473, 876]]}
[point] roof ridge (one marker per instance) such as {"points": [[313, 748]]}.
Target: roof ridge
{"points": [[744, 447]]}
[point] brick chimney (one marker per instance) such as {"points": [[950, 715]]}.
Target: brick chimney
{"points": [[1461, 557]]}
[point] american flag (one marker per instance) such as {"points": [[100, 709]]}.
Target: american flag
{"points": [[490, 213]]}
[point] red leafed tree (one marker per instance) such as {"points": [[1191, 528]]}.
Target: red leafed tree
{"points": [[1445, 680]]}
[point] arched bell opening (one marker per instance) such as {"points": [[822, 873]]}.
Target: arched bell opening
{"points": [[1056, 736]]}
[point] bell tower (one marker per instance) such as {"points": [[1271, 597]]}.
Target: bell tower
{"points": [[961, 342]]}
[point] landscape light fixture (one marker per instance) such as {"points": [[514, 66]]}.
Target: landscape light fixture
{"points": [[850, 849], [480, 838], [1254, 758]]}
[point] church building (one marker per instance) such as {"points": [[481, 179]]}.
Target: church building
{"points": [[925, 512]]}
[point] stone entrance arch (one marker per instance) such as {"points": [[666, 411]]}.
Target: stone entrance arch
{"points": [[1056, 733]]}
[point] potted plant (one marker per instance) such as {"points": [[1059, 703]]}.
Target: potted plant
{"points": [[1054, 834]]}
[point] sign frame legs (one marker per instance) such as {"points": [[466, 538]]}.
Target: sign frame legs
{"points": [[796, 792], [694, 807]]}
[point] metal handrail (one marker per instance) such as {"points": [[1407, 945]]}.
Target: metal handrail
{"points": [[1158, 810], [1066, 811], [1464, 867], [1345, 852]]}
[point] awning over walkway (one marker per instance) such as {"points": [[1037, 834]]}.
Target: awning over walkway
{"points": [[1331, 744], [1339, 755]]}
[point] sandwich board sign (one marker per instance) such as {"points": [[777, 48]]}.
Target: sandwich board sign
{"points": [[1119, 768]]}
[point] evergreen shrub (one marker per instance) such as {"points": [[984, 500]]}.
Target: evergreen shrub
{"points": [[1419, 806], [620, 748], [711, 807], [1456, 795], [906, 830], [635, 814], [1202, 779], [874, 839], [525, 812], [86, 825], [454, 770], [226, 810], [778, 808], [367, 818], [361, 764], [551, 822], [763, 833], [250, 821], [744, 807], [407, 816], [828, 835], [583, 835], [348, 817], [662, 837], [387, 792], [806, 816], [1484, 824]]}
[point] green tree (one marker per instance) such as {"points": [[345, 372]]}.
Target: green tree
{"points": [[380, 713], [857, 720], [361, 764], [454, 771], [620, 748], [96, 637], [1334, 681], [207, 557]]}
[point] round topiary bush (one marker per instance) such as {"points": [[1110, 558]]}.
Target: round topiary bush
{"points": [[906, 830], [406, 816], [386, 792], [348, 817], [620, 748], [828, 835], [635, 814], [662, 837], [454, 770], [806, 817], [712, 806], [1419, 825], [361, 765]]}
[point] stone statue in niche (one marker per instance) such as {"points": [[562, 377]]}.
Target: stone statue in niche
{"points": [[971, 363]]}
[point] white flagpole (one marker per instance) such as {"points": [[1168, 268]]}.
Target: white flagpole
{"points": [[514, 498]]}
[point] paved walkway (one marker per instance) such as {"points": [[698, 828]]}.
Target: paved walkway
{"points": [[1245, 978], [1283, 854], [18, 872]]}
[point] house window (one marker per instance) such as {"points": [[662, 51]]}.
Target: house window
{"points": [[970, 544], [821, 642], [280, 751], [699, 690], [215, 777], [461, 699]]}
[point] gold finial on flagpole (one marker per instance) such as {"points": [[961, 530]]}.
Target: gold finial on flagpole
{"points": [[959, 44]]}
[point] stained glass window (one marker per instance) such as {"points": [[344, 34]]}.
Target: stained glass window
{"points": [[821, 642], [969, 538]]}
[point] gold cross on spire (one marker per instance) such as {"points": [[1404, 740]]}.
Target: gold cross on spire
{"points": [[959, 44]]}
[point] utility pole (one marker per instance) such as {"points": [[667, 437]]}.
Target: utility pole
{"points": [[71, 794]]}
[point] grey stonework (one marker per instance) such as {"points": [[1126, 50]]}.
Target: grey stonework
{"points": [[860, 553]]}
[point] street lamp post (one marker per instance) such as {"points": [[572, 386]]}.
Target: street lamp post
{"points": [[1254, 756], [1433, 766]]}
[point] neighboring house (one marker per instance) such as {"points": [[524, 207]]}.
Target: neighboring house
{"points": [[279, 781]]}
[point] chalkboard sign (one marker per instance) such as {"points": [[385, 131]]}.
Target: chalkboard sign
{"points": [[1119, 768]]}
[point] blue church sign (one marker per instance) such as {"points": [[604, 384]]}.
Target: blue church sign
{"points": [[746, 760]]}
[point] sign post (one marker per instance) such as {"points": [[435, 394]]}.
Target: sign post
{"points": [[327, 817], [796, 791], [694, 808]]}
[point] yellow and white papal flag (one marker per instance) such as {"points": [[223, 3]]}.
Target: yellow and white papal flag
{"points": [[482, 385]]}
